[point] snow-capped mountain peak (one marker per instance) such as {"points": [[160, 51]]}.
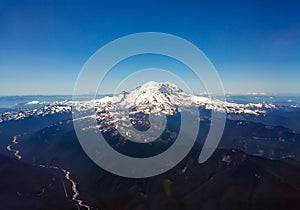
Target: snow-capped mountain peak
{"points": [[154, 96], [165, 97], [151, 97]]}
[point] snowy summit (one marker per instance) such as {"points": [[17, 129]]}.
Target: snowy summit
{"points": [[165, 97], [152, 97]]}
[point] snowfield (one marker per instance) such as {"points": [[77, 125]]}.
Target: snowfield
{"points": [[152, 97]]}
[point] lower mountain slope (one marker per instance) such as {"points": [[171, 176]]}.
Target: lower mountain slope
{"points": [[23, 186]]}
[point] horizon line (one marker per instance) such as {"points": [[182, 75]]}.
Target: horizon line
{"points": [[106, 94]]}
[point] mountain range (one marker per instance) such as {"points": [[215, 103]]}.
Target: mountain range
{"points": [[256, 165]]}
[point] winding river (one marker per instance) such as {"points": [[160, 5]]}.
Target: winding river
{"points": [[15, 151], [67, 175]]}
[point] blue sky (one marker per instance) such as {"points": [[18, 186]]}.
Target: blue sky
{"points": [[254, 45]]}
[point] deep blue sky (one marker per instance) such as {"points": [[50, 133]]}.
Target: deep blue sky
{"points": [[254, 45]]}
